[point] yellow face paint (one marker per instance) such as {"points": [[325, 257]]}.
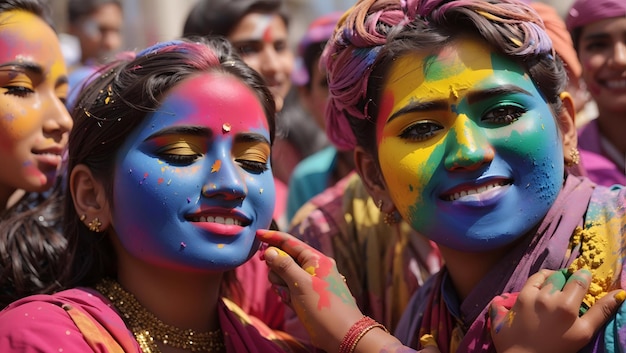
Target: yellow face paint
{"points": [[442, 80], [465, 139], [33, 86]]}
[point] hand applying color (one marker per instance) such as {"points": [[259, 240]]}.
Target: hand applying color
{"points": [[310, 284]]}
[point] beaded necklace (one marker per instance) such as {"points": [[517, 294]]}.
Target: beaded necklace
{"points": [[149, 330]]}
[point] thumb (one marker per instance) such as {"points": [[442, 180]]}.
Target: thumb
{"points": [[604, 308], [284, 266]]}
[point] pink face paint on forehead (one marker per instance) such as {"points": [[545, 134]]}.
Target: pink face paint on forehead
{"points": [[234, 116]]}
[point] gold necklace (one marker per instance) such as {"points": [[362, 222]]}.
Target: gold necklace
{"points": [[148, 329]]}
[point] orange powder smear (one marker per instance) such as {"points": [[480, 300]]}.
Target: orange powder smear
{"points": [[216, 166]]}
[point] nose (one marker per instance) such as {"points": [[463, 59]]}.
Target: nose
{"points": [[270, 62], [619, 54], [111, 40], [225, 180], [57, 120], [467, 147]]}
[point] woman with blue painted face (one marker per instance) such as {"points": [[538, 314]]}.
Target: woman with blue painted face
{"points": [[168, 179]]}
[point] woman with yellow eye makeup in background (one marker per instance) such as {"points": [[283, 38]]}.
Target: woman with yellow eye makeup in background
{"points": [[34, 129], [169, 178], [461, 125]]}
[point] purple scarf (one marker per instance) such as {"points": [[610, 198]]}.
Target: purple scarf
{"points": [[546, 249]]}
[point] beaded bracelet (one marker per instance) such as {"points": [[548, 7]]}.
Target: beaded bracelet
{"points": [[356, 332]]}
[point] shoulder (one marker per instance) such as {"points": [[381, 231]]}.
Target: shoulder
{"points": [[323, 211], [320, 162], [41, 323]]}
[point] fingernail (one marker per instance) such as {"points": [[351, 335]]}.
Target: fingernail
{"points": [[270, 254], [620, 296], [428, 340]]}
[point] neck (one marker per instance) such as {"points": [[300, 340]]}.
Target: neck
{"points": [[467, 269], [612, 127], [183, 299], [9, 197]]}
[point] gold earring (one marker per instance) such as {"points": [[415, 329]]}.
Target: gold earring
{"points": [[94, 225], [574, 154], [392, 218], [380, 205], [83, 217]]}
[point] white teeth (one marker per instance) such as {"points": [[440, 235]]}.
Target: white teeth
{"points": [[218, 219], [481, 189], [617, 84]]}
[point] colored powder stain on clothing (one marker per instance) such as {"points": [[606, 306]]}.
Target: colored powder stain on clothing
{"points": [[597, 257], [160, 181]]}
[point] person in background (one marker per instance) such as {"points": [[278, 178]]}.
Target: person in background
{"points": [[598, 30], [563, 45], [324, 168], [461, 125], [34, 130], [168, 180], [97, 27]]}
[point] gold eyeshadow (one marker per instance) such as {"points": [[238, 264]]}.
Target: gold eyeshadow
{"points": [[253, 151]]}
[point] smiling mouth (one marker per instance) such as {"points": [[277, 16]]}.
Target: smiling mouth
{"points": [[229, 221], [475, 191], [615, 84]]}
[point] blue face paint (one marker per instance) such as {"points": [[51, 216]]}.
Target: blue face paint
{"points": [[470, 151], [193, 182]]}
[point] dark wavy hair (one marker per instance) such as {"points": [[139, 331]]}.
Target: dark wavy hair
{"points": [[137, 84], [32, 246], [77, 9], [219, 17]]}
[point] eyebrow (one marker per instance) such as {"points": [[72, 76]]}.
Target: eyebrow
{"points": [[417, 106], [478, 96], [595, 36], [472, 98], [182, 130], [33, 68], [251, 137], [25, 65]]}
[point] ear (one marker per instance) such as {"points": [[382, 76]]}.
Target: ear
{"points": [[368, 168], [567, 124], [89, 196]]}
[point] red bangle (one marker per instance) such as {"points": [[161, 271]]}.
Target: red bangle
{"points": [[356, 332]]}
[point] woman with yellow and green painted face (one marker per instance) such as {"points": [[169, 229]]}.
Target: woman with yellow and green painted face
{"points": [[461, 125]]}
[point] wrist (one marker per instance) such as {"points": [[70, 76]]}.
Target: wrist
{"points": [[357, 333]]}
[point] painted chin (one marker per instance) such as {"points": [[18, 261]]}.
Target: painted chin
{"points": [[41, 179]]}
